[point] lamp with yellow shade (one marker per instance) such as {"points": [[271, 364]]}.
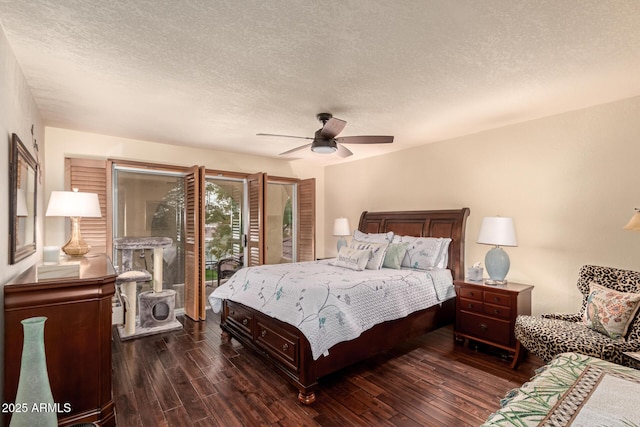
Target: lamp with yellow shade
{"points": [[634, 222]]}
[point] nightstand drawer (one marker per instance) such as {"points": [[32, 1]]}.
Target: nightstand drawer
{"points": [[470, 293], [482, 327], [471, 305], [497, 311], [497, 298]]}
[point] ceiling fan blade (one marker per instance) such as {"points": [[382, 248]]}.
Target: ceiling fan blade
{"points": [[283, 136], [332, 127], [343, 151], [365, 139], [295, 150]]}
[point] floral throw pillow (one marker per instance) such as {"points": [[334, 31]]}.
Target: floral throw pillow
{"points": [[609, 311]]}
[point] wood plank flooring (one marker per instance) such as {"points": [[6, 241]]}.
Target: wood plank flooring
{"points": [[191, 378]]}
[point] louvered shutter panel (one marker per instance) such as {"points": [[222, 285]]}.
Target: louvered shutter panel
{"points": [[194, 290], [255, 227], [307, 220], [90, 176]]}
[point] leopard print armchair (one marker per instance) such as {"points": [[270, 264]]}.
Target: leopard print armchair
{"points": [[550, 334]]}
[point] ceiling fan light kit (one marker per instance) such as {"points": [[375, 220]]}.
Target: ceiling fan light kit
{"points": [[324, 146], [324, 140]]}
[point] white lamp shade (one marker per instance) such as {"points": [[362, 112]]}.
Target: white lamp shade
{"points": [[73, 204], [634, 223], [497, 230], [341, 227]]}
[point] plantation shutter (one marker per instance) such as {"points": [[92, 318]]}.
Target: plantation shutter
{"points": [[255, 227], [194, 277], [236, 221], [90, 176], [306, 220]]}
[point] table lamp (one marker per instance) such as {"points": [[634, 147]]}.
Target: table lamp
{"points": [[497, 231], [341, 228], [634, 222], [75, 205]]}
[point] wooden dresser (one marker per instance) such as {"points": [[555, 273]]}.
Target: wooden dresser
{"points": [[77, 338], [487, 313]]}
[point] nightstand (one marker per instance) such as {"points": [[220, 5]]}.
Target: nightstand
{"points": [[487, 313]]}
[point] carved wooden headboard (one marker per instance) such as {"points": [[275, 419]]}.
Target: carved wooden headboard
{"points": [[442, 223]]}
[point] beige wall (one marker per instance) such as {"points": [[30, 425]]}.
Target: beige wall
{"points": [[569, 181], [63, 143], [18, 112]]}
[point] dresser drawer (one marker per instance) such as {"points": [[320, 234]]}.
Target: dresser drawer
{"points": [[497, 298], [280, 343], [470, 305], [239, 318], [482, 327], [469, 293]]}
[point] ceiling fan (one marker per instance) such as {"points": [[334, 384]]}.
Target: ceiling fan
{"points": [[324, 141]]}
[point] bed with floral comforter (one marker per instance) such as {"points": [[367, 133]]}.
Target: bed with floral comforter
{"points": [[331, 304]]}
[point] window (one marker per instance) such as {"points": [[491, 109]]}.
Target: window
{"points": [[281, 224]]}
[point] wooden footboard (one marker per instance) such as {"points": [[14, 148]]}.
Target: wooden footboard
{"points": [[288, 350]]}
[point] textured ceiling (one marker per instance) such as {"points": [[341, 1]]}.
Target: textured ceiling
{"points": [[214, 73]]}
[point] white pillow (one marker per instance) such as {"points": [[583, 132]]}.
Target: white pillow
{"points": [[352, 258], [377, 251], [426, 253], [443, 258], [373, 237]]}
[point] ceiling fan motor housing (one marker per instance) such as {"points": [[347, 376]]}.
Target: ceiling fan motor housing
{"points": [[323, 145], [324, 117]]}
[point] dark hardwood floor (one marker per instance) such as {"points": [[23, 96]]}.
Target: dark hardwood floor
{"points": [[191, 378]]}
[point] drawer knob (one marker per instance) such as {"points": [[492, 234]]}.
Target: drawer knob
{"points": [[232, 312], [496, 299], [471, 294], [263, 333], [285, 347], [483, 326], [245, 322], [496, 311], [470, 306]]}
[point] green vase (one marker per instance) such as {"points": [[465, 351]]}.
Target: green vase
{"points": [[34, 406]]}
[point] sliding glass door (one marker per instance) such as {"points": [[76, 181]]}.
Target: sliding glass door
{"points": [[224, 220], [150, 203]]}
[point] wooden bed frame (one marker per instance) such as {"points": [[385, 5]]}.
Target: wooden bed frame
{"points": [[285, 347]]}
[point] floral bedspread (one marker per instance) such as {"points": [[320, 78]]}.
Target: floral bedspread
{"points": [[330, 304], [531, 404]]}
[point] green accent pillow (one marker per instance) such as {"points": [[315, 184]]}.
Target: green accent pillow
{"points": [[394, 255]]}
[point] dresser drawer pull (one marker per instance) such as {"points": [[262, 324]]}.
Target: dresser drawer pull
{"points": [[471, 294], [285, 347], [483, 326], [232, 312], [245, 322], [496, 299], [263, 333], [496, 311], [470, 306]]}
